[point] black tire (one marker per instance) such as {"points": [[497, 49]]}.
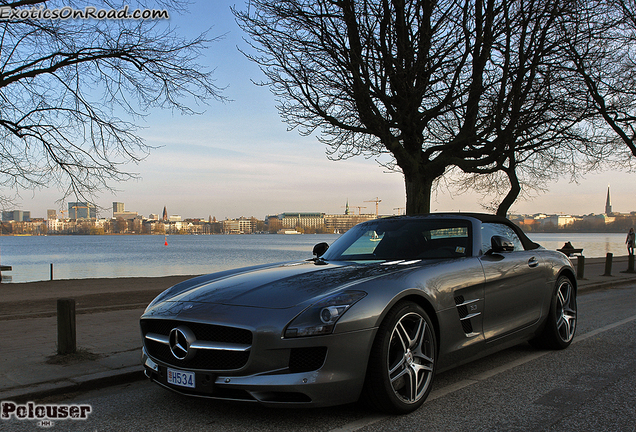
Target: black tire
{"points": [[402, 360], [560, 325]]}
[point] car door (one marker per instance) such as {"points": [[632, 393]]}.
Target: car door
{"points": [[513, 284]]}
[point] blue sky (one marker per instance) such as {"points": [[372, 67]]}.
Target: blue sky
{"points": [[239, 159]]}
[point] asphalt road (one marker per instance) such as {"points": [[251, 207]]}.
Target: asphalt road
{"points": [[591, 386]]}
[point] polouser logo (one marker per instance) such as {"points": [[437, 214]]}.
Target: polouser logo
{"points": [[45, 414]]}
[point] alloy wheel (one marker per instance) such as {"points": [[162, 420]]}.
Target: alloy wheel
{"points": [[411, 357], [566, 311]]}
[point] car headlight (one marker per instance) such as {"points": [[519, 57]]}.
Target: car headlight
{"points": [[320, 318]]}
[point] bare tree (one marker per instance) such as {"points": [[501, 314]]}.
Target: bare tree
{"points": [[379, 77], [601, 51], [586, 101], [72, 89], [476, 85]]}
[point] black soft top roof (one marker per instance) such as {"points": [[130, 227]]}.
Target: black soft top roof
{"points": [[485, 218]]}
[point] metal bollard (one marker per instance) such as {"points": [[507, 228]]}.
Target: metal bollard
{"points": [[580, 267], [51, 271], [66, 330], [608, 264], [630, 264]]}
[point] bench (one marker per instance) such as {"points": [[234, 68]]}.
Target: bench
{"points": [[570, 251]]}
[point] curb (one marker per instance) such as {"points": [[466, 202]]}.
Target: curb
{"points": [[81, 383], [603, 285], [79, 311]]}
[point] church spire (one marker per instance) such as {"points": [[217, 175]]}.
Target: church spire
{"points": [[608, 202]]}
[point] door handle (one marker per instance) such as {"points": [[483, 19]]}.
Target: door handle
{"points": [[533, 262]]}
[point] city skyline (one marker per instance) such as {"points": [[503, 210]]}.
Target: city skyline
{"points": [[238, 158], [350, 206]]}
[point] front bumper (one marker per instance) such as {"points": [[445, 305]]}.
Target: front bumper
{"points": [[337, 380]]}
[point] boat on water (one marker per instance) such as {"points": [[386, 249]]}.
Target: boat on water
{"points": [[287, 231]]}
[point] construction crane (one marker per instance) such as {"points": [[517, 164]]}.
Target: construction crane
{"points": [[376, 201], [359, 209], [76, 207]]}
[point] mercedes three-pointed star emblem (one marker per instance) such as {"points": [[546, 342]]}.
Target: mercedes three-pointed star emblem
{"points": [[181, 339]]}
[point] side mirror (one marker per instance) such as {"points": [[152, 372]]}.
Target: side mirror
{"points": [[501, 244], [320, 249]]}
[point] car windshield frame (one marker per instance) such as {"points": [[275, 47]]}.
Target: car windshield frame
{"points": [[403, 239]]}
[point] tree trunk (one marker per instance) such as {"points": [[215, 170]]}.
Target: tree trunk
{"points": [[418, 193], [513, 193]]}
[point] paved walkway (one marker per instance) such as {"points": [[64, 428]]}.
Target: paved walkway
{"points": [[109, 344]]}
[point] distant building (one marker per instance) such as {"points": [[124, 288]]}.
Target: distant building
{"points": [[119, 212], [16, 216], [165, 214], [341, 223], [118, 207], [303, 220], [82, 210], [608, 203], [126, 215], [56, 225], [239, 226], [51, 214]]}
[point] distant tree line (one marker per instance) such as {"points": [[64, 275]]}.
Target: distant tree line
{"points": [[589, 225]]}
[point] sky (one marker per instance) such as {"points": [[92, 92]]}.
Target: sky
{"points": [[239, 159]]}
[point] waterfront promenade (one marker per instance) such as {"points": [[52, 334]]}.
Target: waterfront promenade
{"points": [[108, 336]]}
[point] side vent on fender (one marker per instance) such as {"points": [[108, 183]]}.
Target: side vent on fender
{"points": [[463, 309]]}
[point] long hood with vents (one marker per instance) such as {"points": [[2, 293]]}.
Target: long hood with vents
{"points": [[275, 287]]}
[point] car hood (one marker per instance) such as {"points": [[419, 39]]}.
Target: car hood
{"points": [[281, 286]]}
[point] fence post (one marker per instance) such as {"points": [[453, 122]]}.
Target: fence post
{"points": [[580, 267], [608, 264], [51, 271], [66, 331]]}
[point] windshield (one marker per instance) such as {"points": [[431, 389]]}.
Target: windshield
{"points": [[402, 239]]}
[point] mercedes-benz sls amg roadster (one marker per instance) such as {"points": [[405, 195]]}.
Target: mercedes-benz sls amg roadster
{"points": [[375, 315]]}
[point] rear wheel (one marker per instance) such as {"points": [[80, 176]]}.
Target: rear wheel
{"points": [[402, 360], [561, 322]]}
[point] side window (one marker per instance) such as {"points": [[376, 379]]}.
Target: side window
{"points": [[492, 229]]}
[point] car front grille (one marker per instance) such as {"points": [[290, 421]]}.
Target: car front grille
{"points": [[203, 359]]}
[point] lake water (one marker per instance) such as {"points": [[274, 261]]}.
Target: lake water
{"points": [[595, 245], [82, 257]]}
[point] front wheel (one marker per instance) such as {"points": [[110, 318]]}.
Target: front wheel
{"points": [[402, 360], [561, 322]]}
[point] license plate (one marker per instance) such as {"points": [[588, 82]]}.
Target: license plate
{"points": [[180, 378]]}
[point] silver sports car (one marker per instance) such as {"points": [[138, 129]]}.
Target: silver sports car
{"points": [[375, 315]]}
